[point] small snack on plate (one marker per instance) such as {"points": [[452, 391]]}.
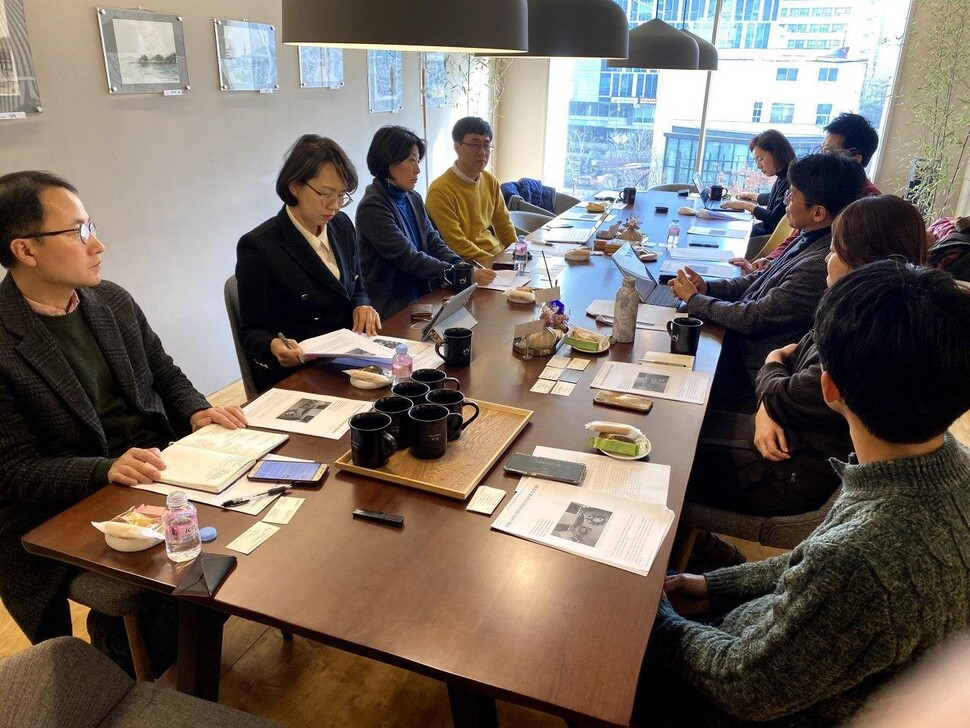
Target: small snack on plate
{"points": [[136, 529], [520, 295], [595, 207], [618, 440], [586, 340], [363, 379], [578, 254]]}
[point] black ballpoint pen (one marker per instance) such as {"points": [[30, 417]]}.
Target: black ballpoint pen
{"points": [[232, 503], [286, 343]]}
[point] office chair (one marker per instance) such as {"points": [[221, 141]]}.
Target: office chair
{"points": [[563, 202], [65, 682], [116, 599], [780, 532], [675, 188], [232, 309], [527, 222]]}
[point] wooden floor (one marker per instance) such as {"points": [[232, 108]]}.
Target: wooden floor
{"points": [[301, 683]]}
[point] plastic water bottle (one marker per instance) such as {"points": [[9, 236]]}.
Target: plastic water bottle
{"points": [[182, 542], [673, 233], [520, 254], [401, 364]]}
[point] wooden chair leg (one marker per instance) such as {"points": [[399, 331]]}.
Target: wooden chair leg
{"points": [[139, 649], [683, 545]]}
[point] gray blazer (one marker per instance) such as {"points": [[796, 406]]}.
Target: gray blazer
{"points": [[772, 307], [392, 269], [51, 440]]}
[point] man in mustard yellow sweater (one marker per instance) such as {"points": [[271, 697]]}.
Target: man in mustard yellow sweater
{"points": [[465, 202]]}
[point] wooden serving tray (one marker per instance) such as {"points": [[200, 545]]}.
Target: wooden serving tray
{"points": [[465, 463]]}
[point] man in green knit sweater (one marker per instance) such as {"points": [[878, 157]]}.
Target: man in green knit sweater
{"points": [[87, 397], [465, 203], [802, 639]]}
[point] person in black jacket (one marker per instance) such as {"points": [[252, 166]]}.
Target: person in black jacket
{"points": [[299, 272], [401, 253], [777, 462], [772, 155]]}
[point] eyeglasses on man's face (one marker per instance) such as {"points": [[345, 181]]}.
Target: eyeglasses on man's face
{"points": [[84, 231], [789, 198], [479, 146], [332, 198]]}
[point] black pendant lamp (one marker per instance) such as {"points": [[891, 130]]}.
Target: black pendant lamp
{"points": [[576, 29], [707, 52], [655, 44], [500, 26]]}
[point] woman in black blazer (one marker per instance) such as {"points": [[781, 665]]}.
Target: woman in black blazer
{"points": [[299, 272], [772, 155]]}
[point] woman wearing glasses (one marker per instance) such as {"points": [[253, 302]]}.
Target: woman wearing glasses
{"points": [[772, 155], [402, 255], [299, 272]]}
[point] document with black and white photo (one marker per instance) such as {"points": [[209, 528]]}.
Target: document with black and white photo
{"points": [[304, 413], [654, 380]]}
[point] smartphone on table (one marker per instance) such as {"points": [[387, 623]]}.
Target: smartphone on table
{"points": [[562, 471], [288, 471]]}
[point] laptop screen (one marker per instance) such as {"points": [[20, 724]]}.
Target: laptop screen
{"points": [[630, 265]]}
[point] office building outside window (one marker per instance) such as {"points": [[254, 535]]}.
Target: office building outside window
{"points": [[803, 60]]}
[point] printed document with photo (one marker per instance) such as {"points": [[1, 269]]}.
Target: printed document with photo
{"points": [[648, 317], [613, 530], [304, 413], [654, 380], [422, 353], [345, 343], [701, 268]]}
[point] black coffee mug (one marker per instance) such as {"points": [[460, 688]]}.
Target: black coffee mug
{"points": [[455, 402], [432, 425], [414, 391], [434, 378], [717, 193], [458, 347], [459, 276], [628, 196], [685, 334], [397, 409], [371, 443]]}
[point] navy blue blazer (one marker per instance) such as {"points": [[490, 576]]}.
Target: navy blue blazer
{"points": [[284, 287]]}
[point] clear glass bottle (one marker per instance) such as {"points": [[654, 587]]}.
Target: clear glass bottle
{"points": [[625, 311], [520, 254], [182, 542], [401, 364], [673, 233]]}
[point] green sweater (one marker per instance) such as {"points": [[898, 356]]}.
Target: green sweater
{"points": [[807, 636]]}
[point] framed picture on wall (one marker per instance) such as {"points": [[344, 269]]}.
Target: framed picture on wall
{"points": [[434, 67], [385, 81], [321, 67], [144, 51], [247, 56], [19, 95]]}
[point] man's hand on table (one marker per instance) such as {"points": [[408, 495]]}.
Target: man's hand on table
{"points": [[688, 594], [137, 465], [687, 283], [231, 417]]}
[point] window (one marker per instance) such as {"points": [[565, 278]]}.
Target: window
{"points": [[611, 127], [782, 113], [823, 114]]}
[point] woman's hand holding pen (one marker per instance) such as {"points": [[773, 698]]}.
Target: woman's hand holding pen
{"points": [[287, 352], [366, 320]]}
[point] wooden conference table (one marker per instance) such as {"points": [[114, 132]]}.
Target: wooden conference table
{"points": [[491, 615]]}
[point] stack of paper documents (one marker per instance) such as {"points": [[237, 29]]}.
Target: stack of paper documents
{"points": [[648, 317], [617, 516], [303, 412]]}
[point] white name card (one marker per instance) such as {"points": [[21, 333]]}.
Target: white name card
{"points": [[530, 327], [544, 295]]}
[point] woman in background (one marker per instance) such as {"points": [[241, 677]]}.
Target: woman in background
{"points": [[772, 155], [402, 255], [299, 272]]}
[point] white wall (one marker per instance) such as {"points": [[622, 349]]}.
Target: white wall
{"points": [[173, 182]]}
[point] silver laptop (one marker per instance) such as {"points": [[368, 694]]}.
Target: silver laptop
{"points": [[647, 287]]}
